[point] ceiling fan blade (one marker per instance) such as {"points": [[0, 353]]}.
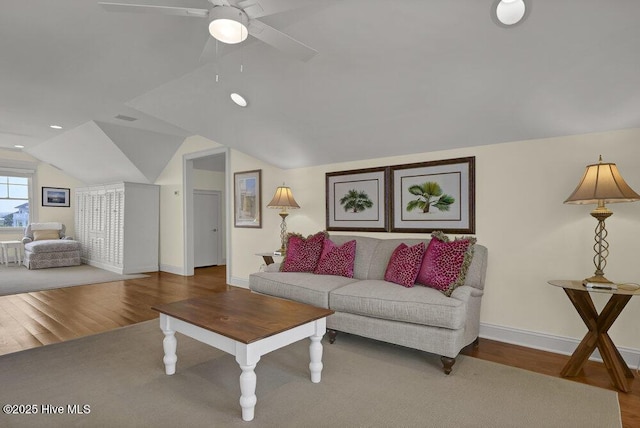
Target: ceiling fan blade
{"points": [[258, 8], [164, 10], [281, 41], [220, 2]]}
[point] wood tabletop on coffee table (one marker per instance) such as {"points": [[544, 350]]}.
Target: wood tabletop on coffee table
{"points": [[242, 315]]}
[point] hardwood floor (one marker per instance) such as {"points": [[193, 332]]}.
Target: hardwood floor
{"points": [[40, 318]]}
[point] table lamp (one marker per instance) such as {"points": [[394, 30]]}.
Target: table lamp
{"points": [[601, 183], [283, 199]]}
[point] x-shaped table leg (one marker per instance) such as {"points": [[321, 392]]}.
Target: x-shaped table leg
{"points": [[598, 325]]}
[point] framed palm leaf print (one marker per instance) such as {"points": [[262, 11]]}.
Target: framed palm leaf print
{"points": [[357, 200], [437, 195]]}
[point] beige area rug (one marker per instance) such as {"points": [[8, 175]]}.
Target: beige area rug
{"points": [[117, 379], [18, 279]]}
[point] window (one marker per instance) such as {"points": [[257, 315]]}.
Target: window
{"points": [[14, 201], [17, 207]]}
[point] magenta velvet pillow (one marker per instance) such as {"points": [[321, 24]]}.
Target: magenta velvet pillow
{"points": [[303, 253], [404, 264], [337, 260], [445, 263]]}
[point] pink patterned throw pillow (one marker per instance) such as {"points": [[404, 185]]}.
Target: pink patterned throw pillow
{"points": [[445, 263], [303, 253], [337, 260], [404, 264]]}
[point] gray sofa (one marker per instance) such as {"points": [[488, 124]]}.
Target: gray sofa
{"points": [[419, 317]]}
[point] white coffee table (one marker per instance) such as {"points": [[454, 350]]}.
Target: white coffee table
{"points": [[17, 251], [246, 325]]}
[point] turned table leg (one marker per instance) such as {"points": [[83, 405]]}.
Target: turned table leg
{"points": [[315, 356], [169, 344]]}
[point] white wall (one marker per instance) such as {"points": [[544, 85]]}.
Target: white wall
{"points": [[531, 235], [47, 176], [246, 243]]}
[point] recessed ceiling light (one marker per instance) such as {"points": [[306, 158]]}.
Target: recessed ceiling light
{"points": [[55, 126], [18, 146], [510, 12], [239, 99]]}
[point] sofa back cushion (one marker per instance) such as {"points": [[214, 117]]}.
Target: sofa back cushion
{"points": [[373, 254]]}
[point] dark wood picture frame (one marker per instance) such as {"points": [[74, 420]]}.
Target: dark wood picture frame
{"points": [[247, 199], [56, 197], [446, 201], [358, 200]]}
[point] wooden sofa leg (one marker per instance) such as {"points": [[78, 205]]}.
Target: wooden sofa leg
{"points": [[332, 335], [447, 364]]}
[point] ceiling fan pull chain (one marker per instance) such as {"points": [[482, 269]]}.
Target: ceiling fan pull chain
{"points": [[217, 75]]}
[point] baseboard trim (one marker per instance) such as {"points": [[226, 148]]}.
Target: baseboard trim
{"points": [[239, 282], [176, 270], [548, 342]]}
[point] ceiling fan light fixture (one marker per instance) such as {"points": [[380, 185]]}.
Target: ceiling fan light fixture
{"points": [[238, 99], [510, 12], [228, 24]]}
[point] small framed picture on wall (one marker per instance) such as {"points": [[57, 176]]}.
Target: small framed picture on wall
{"points": [[55, 197], [247, 190]]}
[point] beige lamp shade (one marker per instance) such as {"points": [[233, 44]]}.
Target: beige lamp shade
{"points": [[602, 183], [283, 199]]}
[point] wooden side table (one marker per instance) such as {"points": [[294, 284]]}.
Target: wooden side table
{"points": [[598, 325], [268, 257]]}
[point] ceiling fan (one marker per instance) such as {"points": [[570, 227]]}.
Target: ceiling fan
{"points": [[232, 21]]}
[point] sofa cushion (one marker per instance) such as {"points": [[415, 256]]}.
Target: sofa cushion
{"points": [[53, 245], [41, 235], [303, 253], [445, 263], [299, 286], [404, 264], [385, 300], [337, 260]]}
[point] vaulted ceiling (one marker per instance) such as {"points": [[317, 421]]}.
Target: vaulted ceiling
{"points": [[390, 77]]}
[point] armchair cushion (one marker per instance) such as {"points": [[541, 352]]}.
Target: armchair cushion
{"points": [[49, 246], [39, 235]]}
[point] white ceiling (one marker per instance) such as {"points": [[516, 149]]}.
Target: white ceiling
{"points": [[391, 77]]}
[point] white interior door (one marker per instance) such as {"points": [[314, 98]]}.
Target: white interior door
{"points": [[206, 230]]}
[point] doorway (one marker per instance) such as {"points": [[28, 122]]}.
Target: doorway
{"points": [[207, 235], [206, 170]]}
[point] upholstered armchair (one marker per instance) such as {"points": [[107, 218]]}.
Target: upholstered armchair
{"points": [[46, 246]]}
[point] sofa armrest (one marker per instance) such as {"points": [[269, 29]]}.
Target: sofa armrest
{"points": [[464, 292], [26, 240]]}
